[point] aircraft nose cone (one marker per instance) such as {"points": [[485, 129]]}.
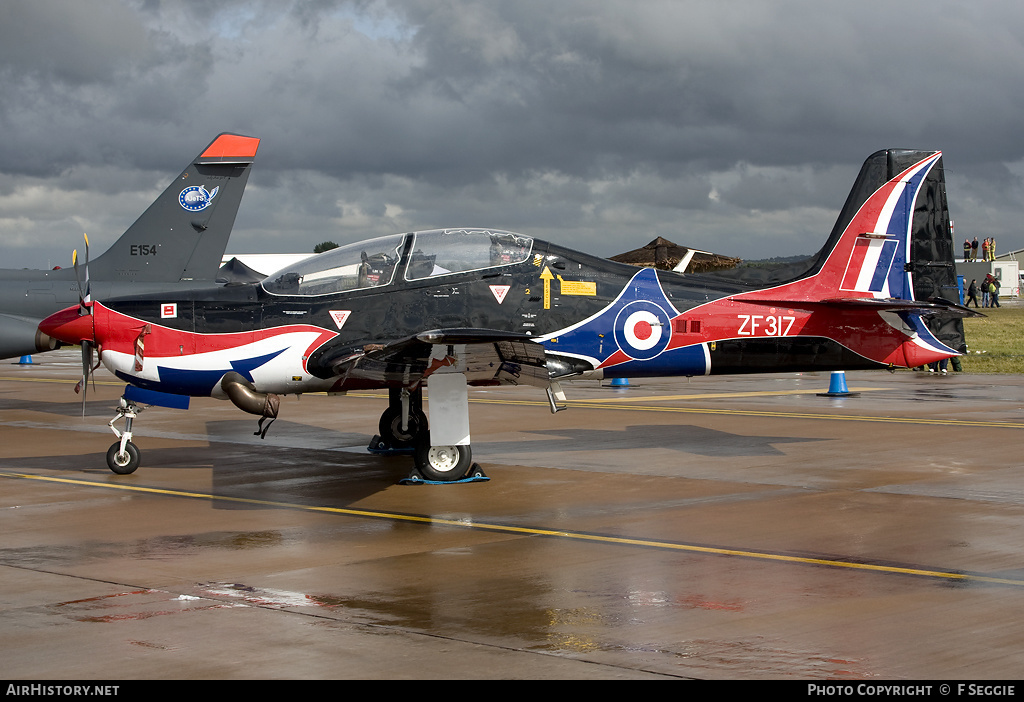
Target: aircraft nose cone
{"points": [[68, 326]]}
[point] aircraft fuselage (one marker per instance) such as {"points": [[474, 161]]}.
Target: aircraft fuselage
{"points": [[600, 317]]}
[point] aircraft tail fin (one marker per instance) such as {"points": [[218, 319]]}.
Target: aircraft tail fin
{"points": [[898, 242], [892, 242], [184, 233]]}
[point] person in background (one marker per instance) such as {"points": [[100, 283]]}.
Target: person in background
{"points": [[974, 249], [967, 250], [993, 293], [972, 292]]}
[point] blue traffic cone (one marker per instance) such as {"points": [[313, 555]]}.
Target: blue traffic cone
{"points": [[837, 383], [25, 361], [837, 386], [620, 382]]}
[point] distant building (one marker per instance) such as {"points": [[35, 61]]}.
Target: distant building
{"points": [[1004, 268], [668, 256], [1010, 255]]}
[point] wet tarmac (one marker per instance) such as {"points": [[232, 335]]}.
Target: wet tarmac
{"points": [[738, 527]]}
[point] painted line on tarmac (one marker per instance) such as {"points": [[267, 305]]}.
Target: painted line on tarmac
{"points": [[947, 576], [722, 395], [933, 421], [607, 405], [66, 381], [615, 404]]}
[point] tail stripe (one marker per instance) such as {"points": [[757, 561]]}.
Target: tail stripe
{"points": [[900, 284], [869, 265], [884, 264]]}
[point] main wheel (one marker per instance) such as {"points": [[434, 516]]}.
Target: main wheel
{"points": [[390, 427], [443, 463], [123, 463]]}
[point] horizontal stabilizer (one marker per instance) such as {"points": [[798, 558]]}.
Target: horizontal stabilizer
{"points": [[924, 307]]}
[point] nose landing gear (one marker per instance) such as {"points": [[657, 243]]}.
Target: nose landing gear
{"points": [[123, 455]]}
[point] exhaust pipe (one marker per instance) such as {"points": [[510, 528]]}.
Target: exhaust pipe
{"points": [[44, 342], [247, 398]]}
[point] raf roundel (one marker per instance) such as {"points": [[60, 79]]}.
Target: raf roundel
{"points": [[642, 330]]}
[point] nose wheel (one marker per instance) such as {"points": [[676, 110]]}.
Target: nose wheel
{"points": [[123, 459]]}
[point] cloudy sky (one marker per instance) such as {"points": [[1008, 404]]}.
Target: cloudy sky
{"points": [[736, 127]]}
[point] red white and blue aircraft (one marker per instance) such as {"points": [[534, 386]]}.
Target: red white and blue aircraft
{"points": [[447, 309]]}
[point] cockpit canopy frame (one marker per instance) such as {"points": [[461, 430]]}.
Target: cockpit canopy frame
{"points": [[412, 257]]}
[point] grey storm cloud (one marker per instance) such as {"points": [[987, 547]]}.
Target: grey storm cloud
{"points": [[734, 127]]}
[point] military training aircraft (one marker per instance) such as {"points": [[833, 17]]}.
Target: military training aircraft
{"points": [[452, 308], [176, 244]]}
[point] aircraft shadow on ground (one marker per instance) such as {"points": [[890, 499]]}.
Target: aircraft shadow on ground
{"points": [[304, 464], [72, 408], [696, 440], [295, 465]]}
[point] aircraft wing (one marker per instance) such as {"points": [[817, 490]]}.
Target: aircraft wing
{"points": [[487, 356]]}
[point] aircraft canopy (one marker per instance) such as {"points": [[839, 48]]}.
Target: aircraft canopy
{"points": [[419, 255]]}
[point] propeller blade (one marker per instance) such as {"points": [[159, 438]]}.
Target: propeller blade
{"points": [[88, 370], [82, 309], [84, 290], [82, 387], [87, 293]]}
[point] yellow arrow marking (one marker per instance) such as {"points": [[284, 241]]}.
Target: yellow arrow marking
{"points": [[547, 278]]}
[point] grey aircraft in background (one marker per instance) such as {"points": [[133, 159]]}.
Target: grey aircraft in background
{"points": [[176, 244]]}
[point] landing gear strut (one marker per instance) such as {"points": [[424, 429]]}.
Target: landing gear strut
{"points": [[123, 455], [403, 423]]}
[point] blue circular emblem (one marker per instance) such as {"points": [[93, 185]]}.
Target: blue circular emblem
{"points": [[195, 197], [642, 330]]}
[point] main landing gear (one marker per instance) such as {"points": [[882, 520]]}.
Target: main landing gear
{"points": [[404, 429]]}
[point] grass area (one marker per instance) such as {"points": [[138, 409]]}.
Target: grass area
{"points": [[996, 342]]}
